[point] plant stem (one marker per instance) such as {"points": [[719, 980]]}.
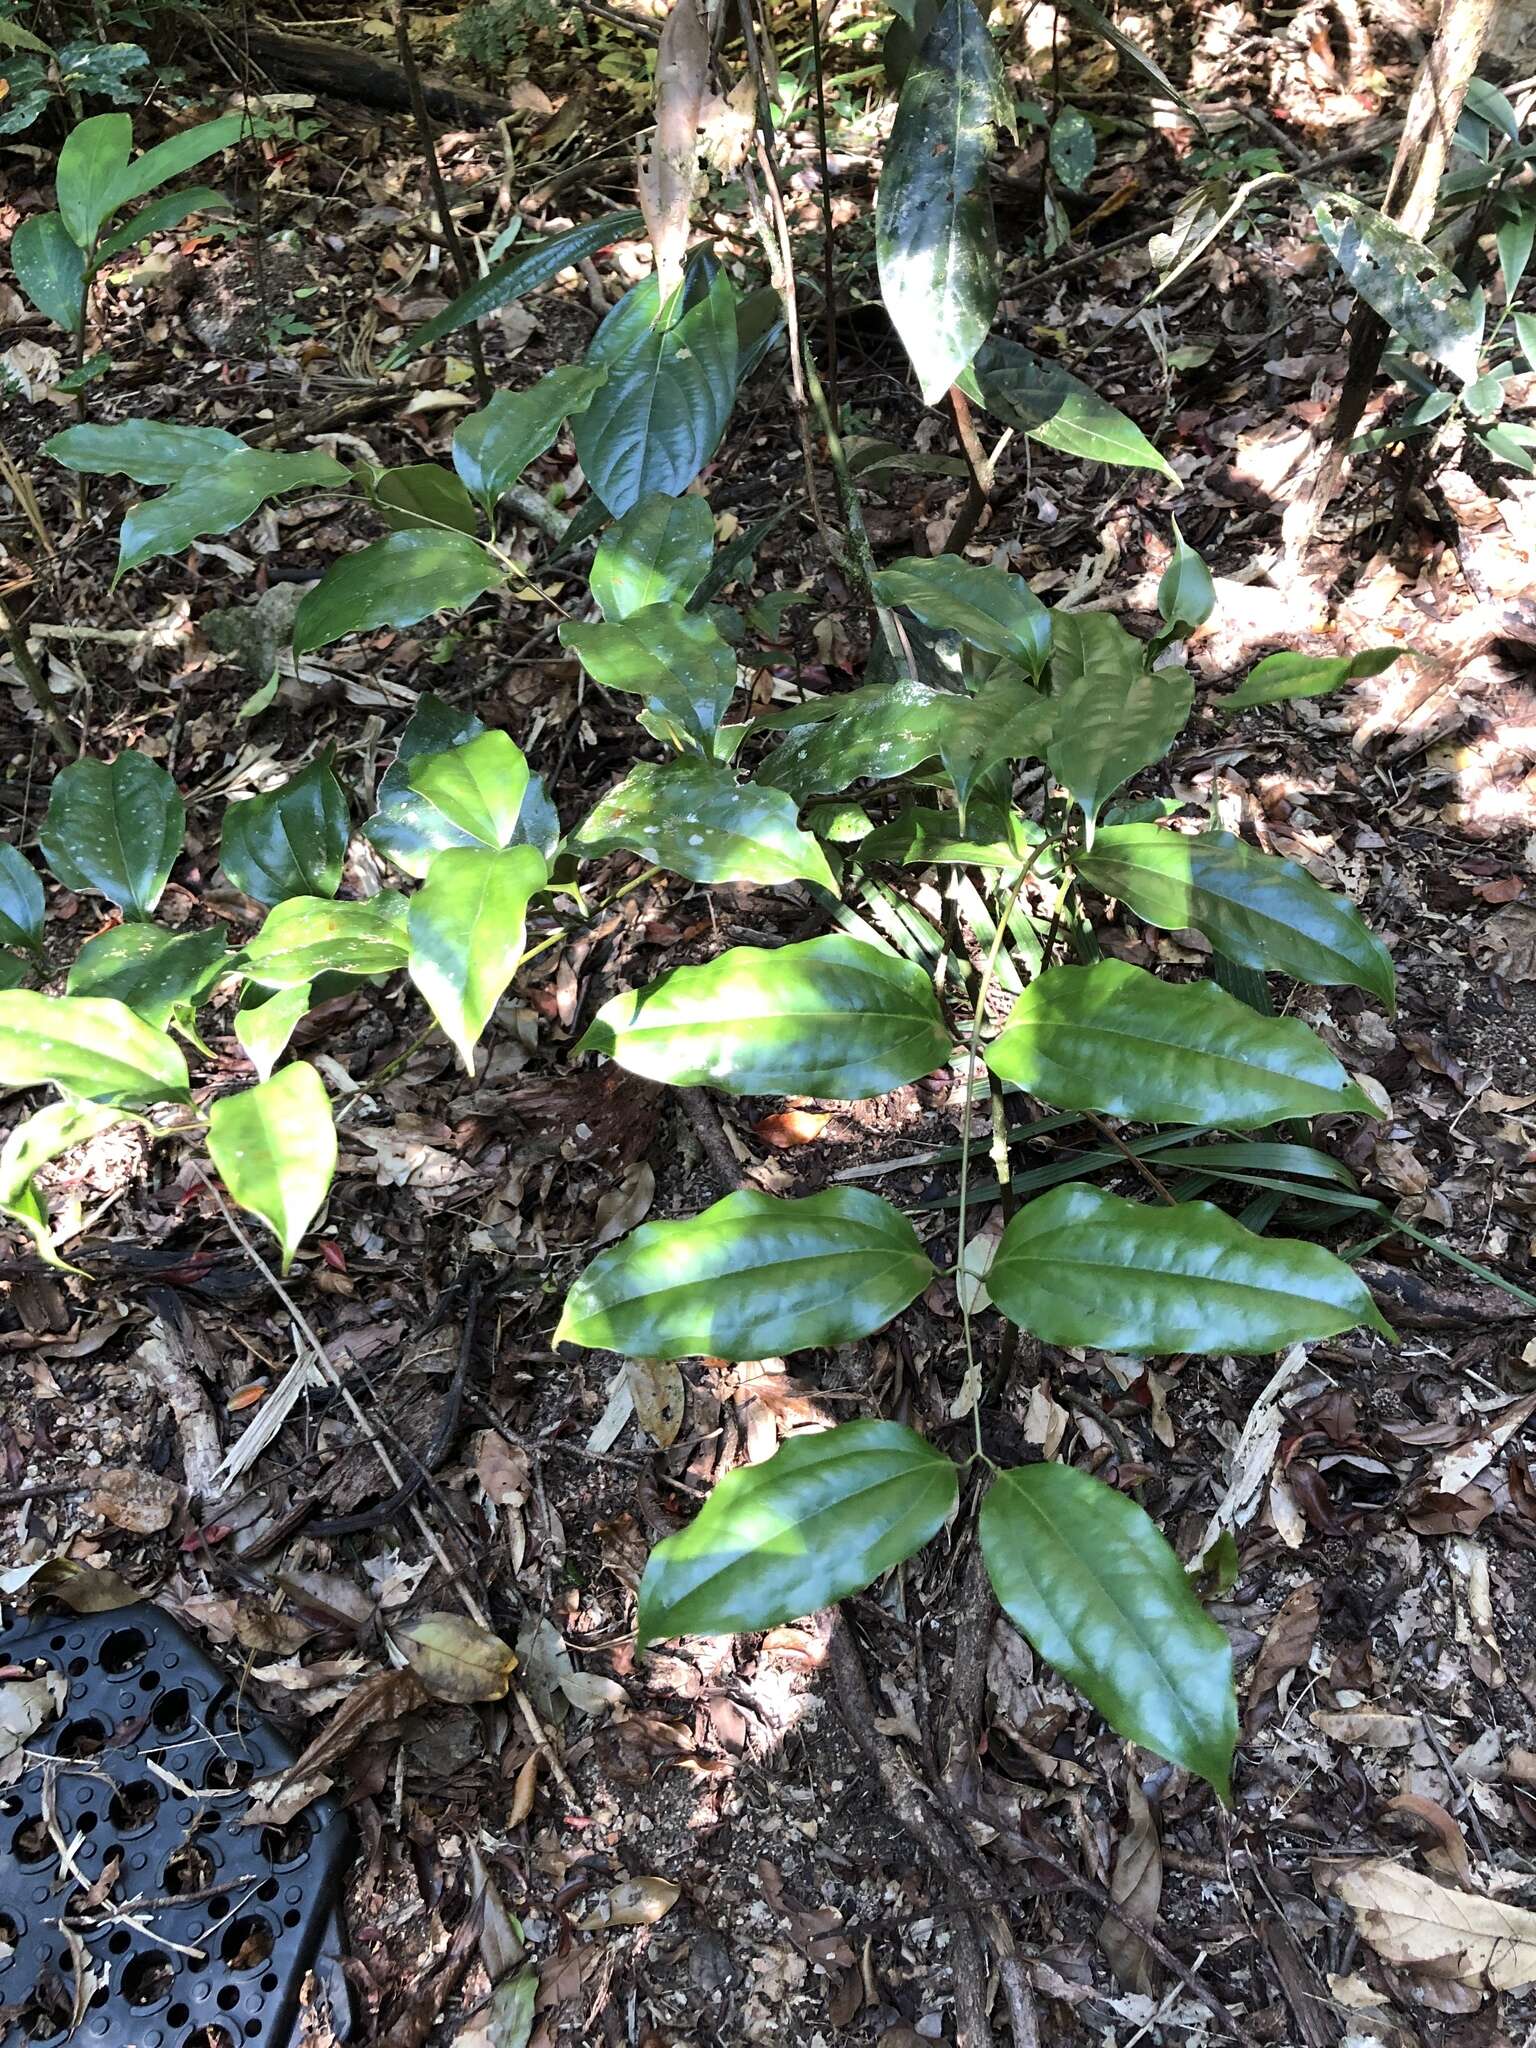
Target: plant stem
{"points": [[828, 265], [37, 684], [1113, 1138], [979, 463]]}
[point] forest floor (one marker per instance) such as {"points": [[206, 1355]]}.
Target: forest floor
{"points": [[1381, 1496]]}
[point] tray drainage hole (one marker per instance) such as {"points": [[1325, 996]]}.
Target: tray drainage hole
{"points": [[228, 1773], [178, 2014], [120, 1942], [148, 1979], [172, 1712], [81, 1739], [247, 1942], [48, 2011], [32, 1842], [188, 1871], [134, 1806], [292, 1917], [10, 1931], [77, 1667], [285, 1845], [122, 1650], [208, 2037], [229, 1998], [269, 1981]]}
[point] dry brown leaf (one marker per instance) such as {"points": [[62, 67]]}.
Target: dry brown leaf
{"points": [[275, 1801], [523, 1791], [1287, 1647], [1136, 1884], [660, 1398], [384, 1697], [639, 1902], [666, 173], [1410, 1920], [503, 1470], [25, 1704], [787, 1128], [501, 1942], [1466, 1458], [84, 1588], [620, 1208], [455, 1659], [1368, 1728], [1429, 1813]]}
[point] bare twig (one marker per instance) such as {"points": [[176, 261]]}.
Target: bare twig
{"points": [[37, 683]]}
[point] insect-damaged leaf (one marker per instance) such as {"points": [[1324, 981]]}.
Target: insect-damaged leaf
{"points": [[695, 819], [1420, 300]]}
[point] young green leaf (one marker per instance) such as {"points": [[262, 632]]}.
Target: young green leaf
{"points": [[988, 608], [694, 819], [1258, 910], [93, 1048], [290, 842], [822, 1518], [306, 936], [751, 1277], [158, 218], [148, 451], [466, 926], [1055, 408], [89, 171], [882, 730], [830, 1016], [115, 827], [1085, 1575], [658, 553], [1114, 715], [176, 154], [50, 268], [1073, 148], [1421, 301], [1279, 677], [478, 787], [263, 1030], [424, 494], [925, 838], [1114, 1039], [34, 1143], [674, 659], [21, 900], [935, 237], [275, 1149], [1005, 720], [217, 498], [1082, 1267], [156, 973], [492, 448], [393, 582], [1186, 596]]}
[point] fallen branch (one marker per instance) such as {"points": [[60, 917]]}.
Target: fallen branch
{"points": [[354, 75]]}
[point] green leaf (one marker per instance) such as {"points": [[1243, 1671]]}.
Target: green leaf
{"points": [[155, 972], [1082, 1267], [1114, 715], [275, 1148], [92, 1048], [1244, 1156], [1282, 676], [830, 1016], [1055, 408], [1420, 300], [37, 1140], [522, 272], [754, 1276], [658, 553], [466, 928], [14, 37], [1101, 25], [988, 608], [822, 1518], [424, 494], [924, 838], [1258, 910], [1074, 148], [478, 787], [290, 842], [307, 936], [409, 828], [1525, 333], [263, 1030], [21, 900], [178, 153], [1005, 720], [1186, 596], [88, 66], [115, 827], [50, 269], [671, 384], [674, 659], [1515, 237], [1085, 1575], [1114, 1039], [1490, 105], [935, 237], [149, 451], [216, 499], [694, 819], [882, 730], [393, 582], [90, 168], [492, 448], [158, 218], [1505, 444]]}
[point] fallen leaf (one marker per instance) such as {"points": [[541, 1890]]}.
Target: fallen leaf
{"points": [[1369, 1729], [1465, 1459], [455, 1659], [787, 1128], [1287, 1647], [132, 1499], [276, 1800], [660, 1397], [84, 1588], [1410, 1920], [1136, 1884], [25, 1704], [639, 1902], [1430, 1814], [620, 1208]]}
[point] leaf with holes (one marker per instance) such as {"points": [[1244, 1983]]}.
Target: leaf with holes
{"points": [[216, 499], [115, 827], [674, 660], [1085, 1575], [830, 1016], [493, 447], [1260, 911], [291, 841], [694, 818], [275, 1149], [21, 900], [751, 1277], [1114, 715], [1055, 408], [658, 553], [148, 451], [396, 581], [1421, 301], [466, 927], [988, 608], [820, 1519], [1073, 148], [1279, 677], [160, 975], [92, 1048], [306, 936], [1082, 1267]]}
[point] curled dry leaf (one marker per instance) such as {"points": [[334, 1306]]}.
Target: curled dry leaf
{"points": [[639, 1902], [25, 1704], [1135, 1885], [666, 173], [276, 1800], [1368, 1728], [84, 1588], [454, 1659], [1412, 1921], [622, 1207], [1286, 1648], [787, 1128], [1430, 1815]]}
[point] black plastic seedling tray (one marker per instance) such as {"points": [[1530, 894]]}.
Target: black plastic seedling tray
{"points": [[206, 1937]]}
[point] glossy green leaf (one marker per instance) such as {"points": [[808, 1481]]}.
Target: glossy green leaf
{"points": [[263, 1030], [149, 451], [1515, 236], [754, 1276], [1083, 1267], [178, 153], [13, 972], [1114, 715], [158, 218], [216, 499], [921, 838], [822, 1518], [424, 494], [1005, 720], [155, 972], [90, 170], [1053, 407], [21, 900], [880, 731], [409, 828], [1186, 596], [115, 827], [92, 1048], [393, 582], [1085, 1575], [307, 936], [658, 553], [530, 265], [830, 1016], [34, 1143], [1239, 1157], [290, 842], [50, 268], [1279, 677], [1261, 911], [493, 447], [674, 659], [1114, 1039], [466, 929], [1490, 105], [988, 608], [1422, 302], [935, 237], [478, 787], [275, 1149], [671, 384], [694, 818], [1074, 148]]}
